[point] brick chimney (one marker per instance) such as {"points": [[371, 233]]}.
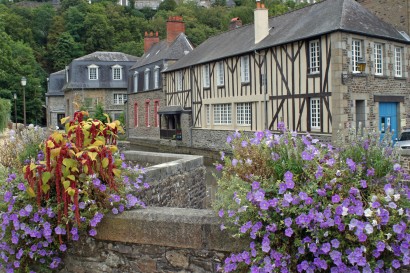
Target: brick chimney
{"points": [[261, 22], [235, 23], [175, 26], [149, 40]]}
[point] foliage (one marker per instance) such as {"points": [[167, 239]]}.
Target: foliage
{"points": [[4, 113], [76, 179], [99, 113], [312, 207], [21, 146]]}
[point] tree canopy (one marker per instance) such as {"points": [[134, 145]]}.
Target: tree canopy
{"points": [[39, 38]]}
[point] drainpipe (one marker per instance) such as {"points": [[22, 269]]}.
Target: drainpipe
{"points": [[265, 91], [192, 104]]}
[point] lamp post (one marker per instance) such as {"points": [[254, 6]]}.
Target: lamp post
{"points": [[23, 83], [15, 108]]}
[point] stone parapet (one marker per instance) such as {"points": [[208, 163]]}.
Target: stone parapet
{"points": [[154, 240]]}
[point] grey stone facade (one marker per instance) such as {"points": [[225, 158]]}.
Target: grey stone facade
{"points": [[136, 107], [55, 110]]}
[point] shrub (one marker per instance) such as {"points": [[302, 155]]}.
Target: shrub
{"points": [[21, 146], [312, 207], [77, 178]]}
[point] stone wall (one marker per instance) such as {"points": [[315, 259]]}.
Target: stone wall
{"points": [[154, 240], [175, 180], [55, 107], [137, 102]]}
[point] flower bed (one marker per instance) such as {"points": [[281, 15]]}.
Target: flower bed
{"points": [[312, 207], [77, 177]]}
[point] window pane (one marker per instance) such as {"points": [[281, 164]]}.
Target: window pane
{"points": [[315, 113], [243, 113], [314, 56]]}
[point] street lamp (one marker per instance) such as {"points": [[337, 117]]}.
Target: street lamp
{"points": [[23, 83], [15, 108]]}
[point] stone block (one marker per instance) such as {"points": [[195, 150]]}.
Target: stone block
{"points": [[178, 258]]}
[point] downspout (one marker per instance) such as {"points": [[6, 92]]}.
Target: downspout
{"points": [[265, 91]]}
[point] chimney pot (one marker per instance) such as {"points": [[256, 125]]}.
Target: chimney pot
{"points": [[150, 40]]}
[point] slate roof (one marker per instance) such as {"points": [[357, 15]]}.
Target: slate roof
{"points": [[107, 56], [164, 51], [56, 83], [317, 19], [78, 71]]}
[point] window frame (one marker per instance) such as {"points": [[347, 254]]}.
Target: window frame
{"points": [[357, 54], [136, 114], [208, 114], [244, 114], [245, 69], [147, 112], [179, 81], [136, 75], [156, 77], [119, 98], [398, 62], [314, 56], [378, 59], [314, 114], [222, 114], [206, 76], [116, 68], [220, 74], [146, 79], [92, 68], [156, 116]]}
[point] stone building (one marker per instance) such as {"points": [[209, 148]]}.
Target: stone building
{"points": [[328, 64], [55, 99], [100, 78], [146, 101]]}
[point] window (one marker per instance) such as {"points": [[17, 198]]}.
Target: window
{"points": [[245, 69], [315, 113], [222, 114], [156, 116], [135, 81], [220, 74], [116, 72], [398, 63], [205, 71], [356, 54], [243, 114], [146, 79], [93, 72], [120, 98], [156, 77], [378, 59], [179, 81], [135, 114], [147, 113], [208, 114], [314, 57]]}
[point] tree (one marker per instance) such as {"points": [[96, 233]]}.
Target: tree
{"points": [[168, 5], [4, 113], [99, 113]]}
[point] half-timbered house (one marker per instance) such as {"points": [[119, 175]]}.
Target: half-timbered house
{"points": [[145, 90], [327, 64]]}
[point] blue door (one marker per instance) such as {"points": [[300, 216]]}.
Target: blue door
{"points": [[388, 118]]}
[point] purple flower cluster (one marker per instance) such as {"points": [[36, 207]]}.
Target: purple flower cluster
{"points": [[322, 209]]}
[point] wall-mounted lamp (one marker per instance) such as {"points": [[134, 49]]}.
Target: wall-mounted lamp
{"points": [[361, 65]]}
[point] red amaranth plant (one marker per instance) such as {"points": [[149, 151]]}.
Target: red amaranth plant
{"points": [[86, 148]]}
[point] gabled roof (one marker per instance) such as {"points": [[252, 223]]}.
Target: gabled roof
{"points": [[107, 57], [324, 17], [165, 51]]}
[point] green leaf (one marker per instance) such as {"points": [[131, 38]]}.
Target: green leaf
{"points": [[71, 191], [105, 162], [45, 177], [66, 184], [45, 188], [117, 172], [71, 177], [31, 192]]}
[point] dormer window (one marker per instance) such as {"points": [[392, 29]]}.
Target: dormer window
{"points": [[135, 81], [156, 77], [93, 72], [146, 79], [116, 72]]}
